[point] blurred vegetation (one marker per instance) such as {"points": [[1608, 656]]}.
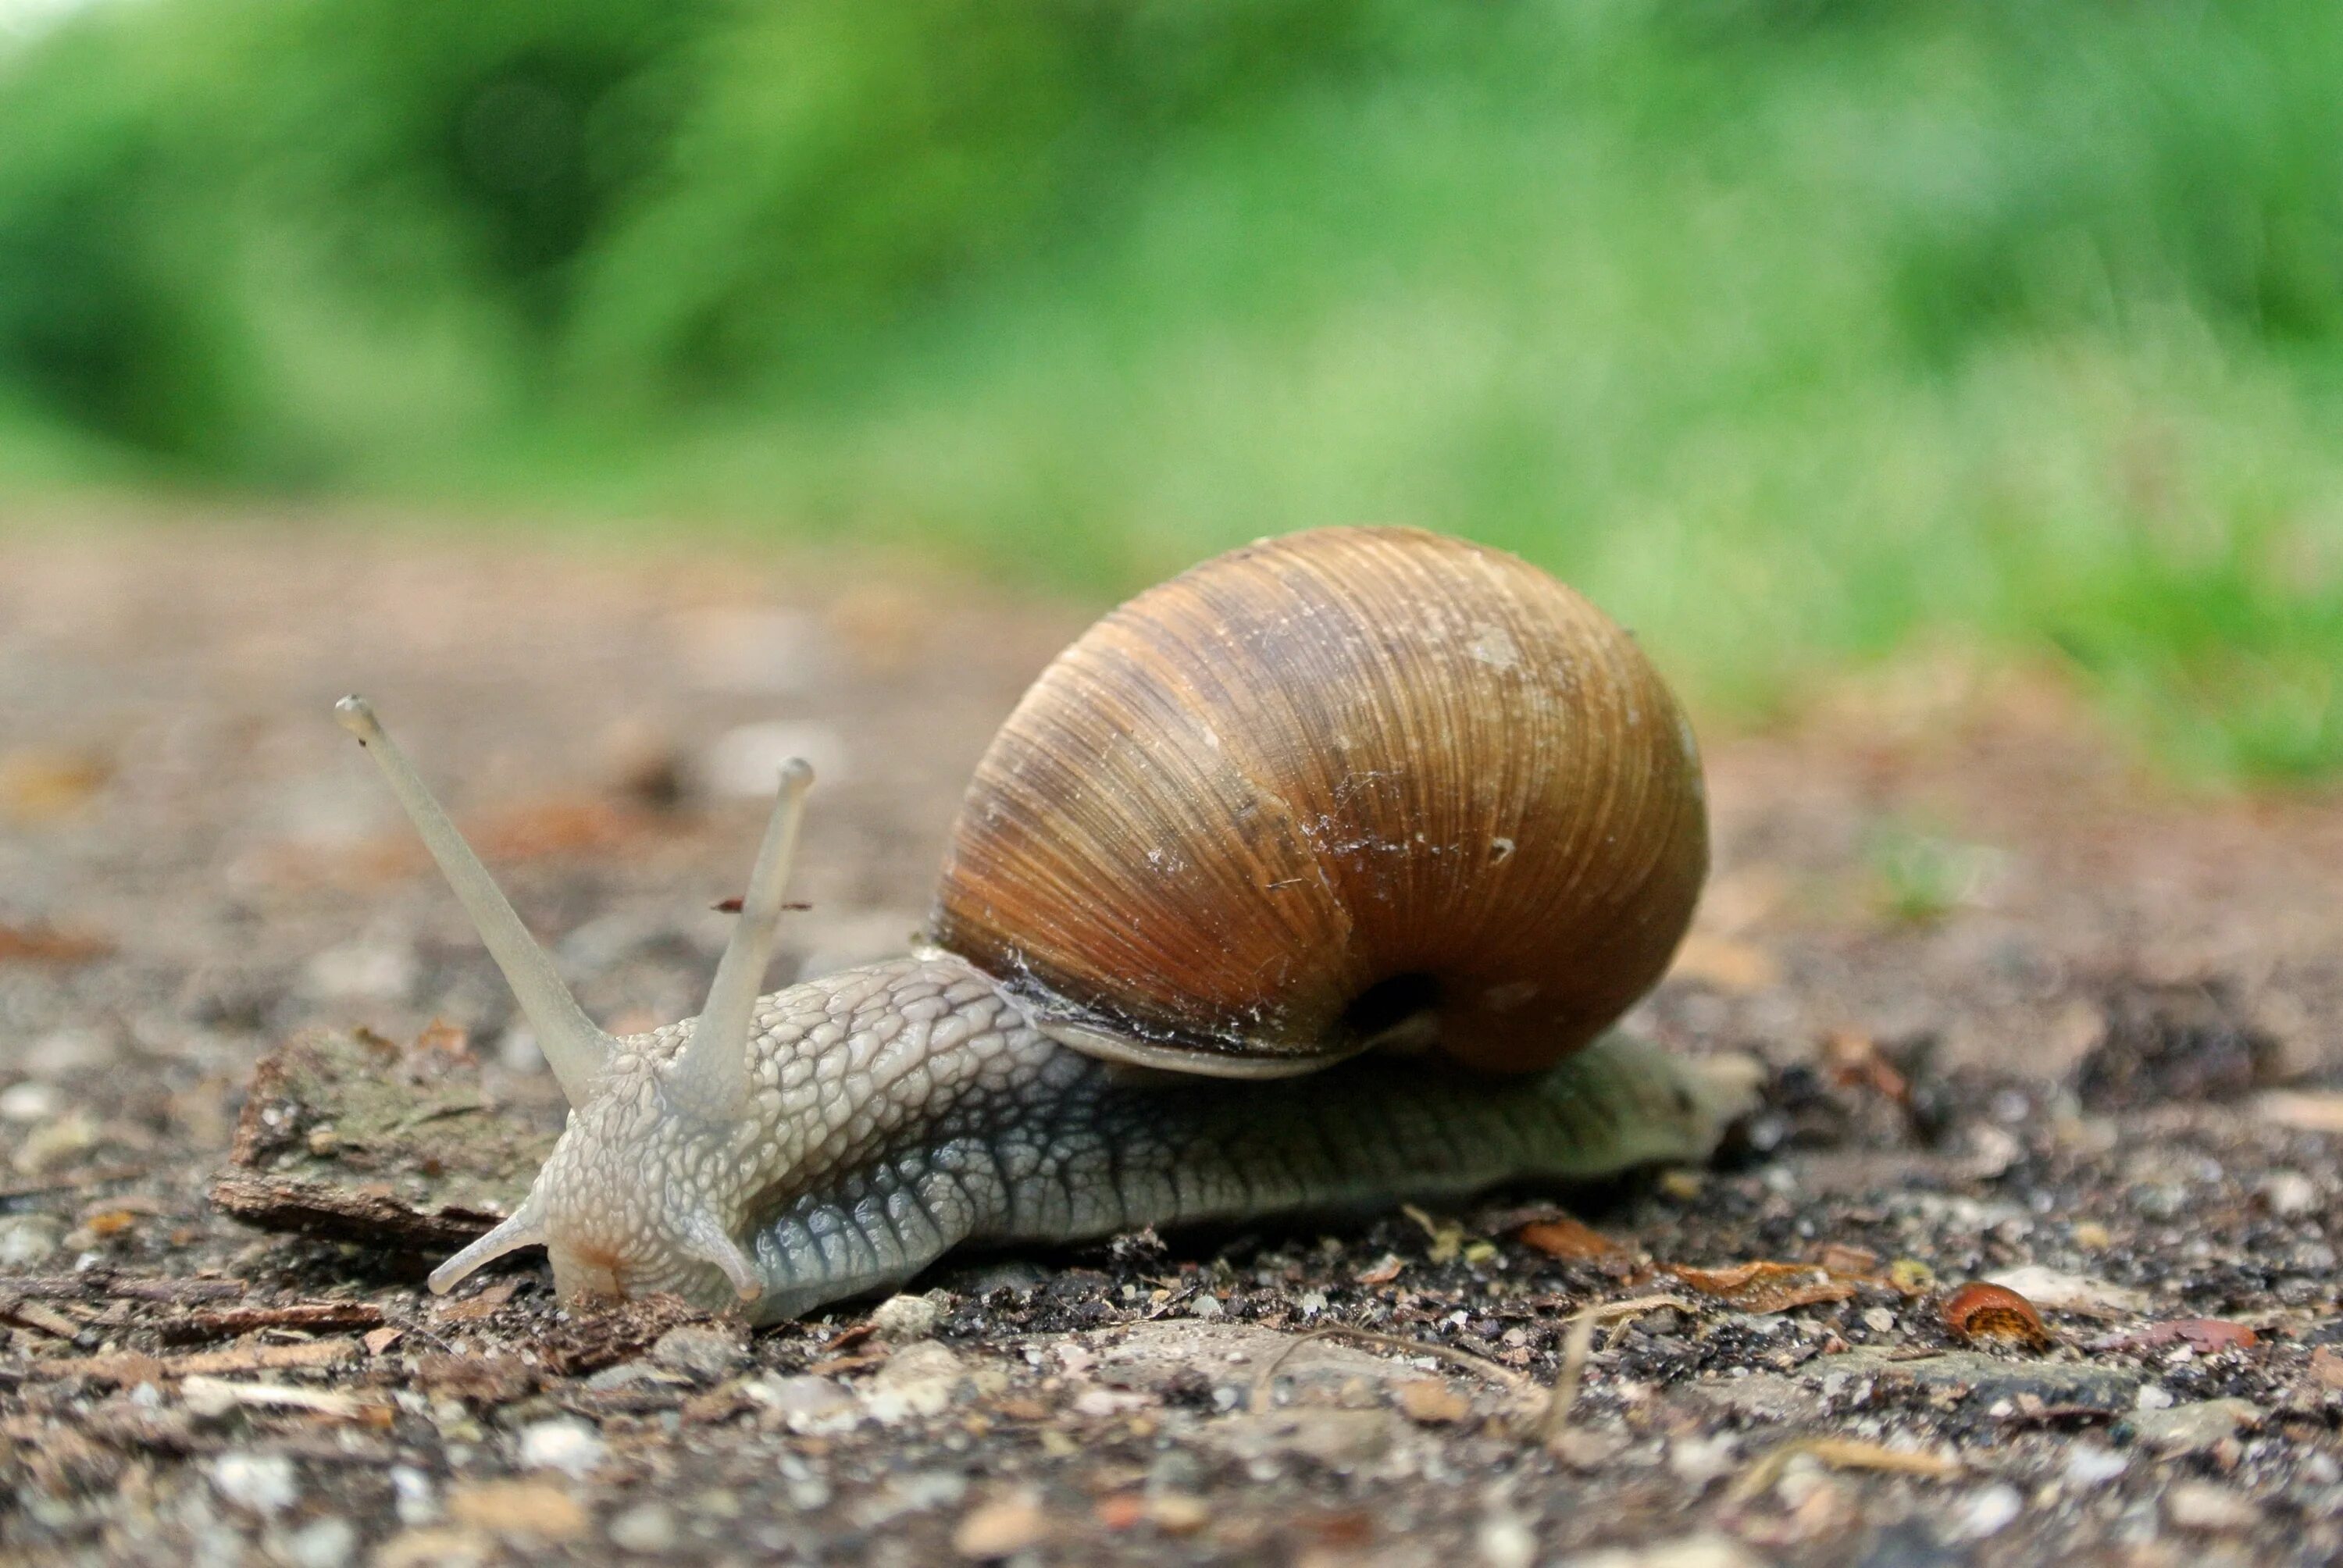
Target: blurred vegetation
{"points": [[1794, 330]]}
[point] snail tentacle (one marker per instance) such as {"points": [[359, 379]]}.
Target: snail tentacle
{"points": [[709, 1078], [574, 1047]]}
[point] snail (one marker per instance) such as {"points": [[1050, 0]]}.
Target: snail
{"points": [[1308, 880]]}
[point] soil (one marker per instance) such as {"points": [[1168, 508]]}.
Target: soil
{"points": [[2024, 1014]]}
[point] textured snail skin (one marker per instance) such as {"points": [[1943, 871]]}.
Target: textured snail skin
{"points": [[904, 1109]]}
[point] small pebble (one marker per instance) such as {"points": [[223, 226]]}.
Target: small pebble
{"points": [[1001, 1529], [2203, 1505], [905, 1317], [1206, 1306], [1503, 1541], [326, 1543], [264, 1482], [1988, 1512], [648, 1528], [703, 1350], [27, 1102], [1703, 1551], [571, 1447], [413, 1495], [28, 1239], [2090, 1465], [2290, 1193]]}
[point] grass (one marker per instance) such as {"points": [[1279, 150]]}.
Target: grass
{"points": [[1792, 332]]}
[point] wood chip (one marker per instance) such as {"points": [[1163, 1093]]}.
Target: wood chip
{"points": [[129, 1368], [382, 1340], [220, 1393], [2326, 1368], [308, 1317], [348, 1213], [34, 1315], [484, 1304]]}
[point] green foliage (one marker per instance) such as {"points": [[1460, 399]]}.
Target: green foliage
{"points": [[1789, 328]]}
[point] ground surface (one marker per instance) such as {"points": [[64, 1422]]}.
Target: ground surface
{"points": [[2020, 1010]]}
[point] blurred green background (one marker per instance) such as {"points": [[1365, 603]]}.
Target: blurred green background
{"points": [[1798, 332]]}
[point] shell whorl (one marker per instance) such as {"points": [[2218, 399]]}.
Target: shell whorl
{"points": [[1321, 790]]}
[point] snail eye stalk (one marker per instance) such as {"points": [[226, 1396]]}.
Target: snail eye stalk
{"points": [[711, 1077], [573, 1046]]}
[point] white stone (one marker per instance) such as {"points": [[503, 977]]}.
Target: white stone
{"points": [[1706, 1550], [1988, 1510], [649, 1529], [264, 1482], [27, 1102], [28, 1239], [2203, 1505], [905, 1317], [326, 1543], [2290, 1193], [2089, 1466], [1503, 1541], [569, 1446]]}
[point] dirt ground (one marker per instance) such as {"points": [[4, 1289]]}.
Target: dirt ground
{"points": [[2024, 1015]]}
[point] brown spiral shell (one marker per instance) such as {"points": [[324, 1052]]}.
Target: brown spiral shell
{"points": [[1323, 792]]}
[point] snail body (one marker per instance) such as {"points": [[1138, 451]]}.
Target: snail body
{"points": [[1393, 823]]}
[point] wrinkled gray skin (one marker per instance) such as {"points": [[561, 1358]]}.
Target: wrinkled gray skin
{"points": [[904, 1109]]}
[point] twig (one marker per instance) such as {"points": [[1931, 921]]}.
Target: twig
{"points": [[1262, 1382], [1839, 1453], [1577, 1346]]}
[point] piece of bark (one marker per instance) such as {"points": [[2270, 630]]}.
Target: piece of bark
{"points": [[129, 1369], [311, 1317], [347, 1137]]}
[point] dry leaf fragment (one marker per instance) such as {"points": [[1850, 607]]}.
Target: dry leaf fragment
{"points": [[1566, 1239], [1984, 1313], [1382, 1274], [2203, 1335], [48, 945], [1854, 1062], [1839, 1258], [1763, 1287]]}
